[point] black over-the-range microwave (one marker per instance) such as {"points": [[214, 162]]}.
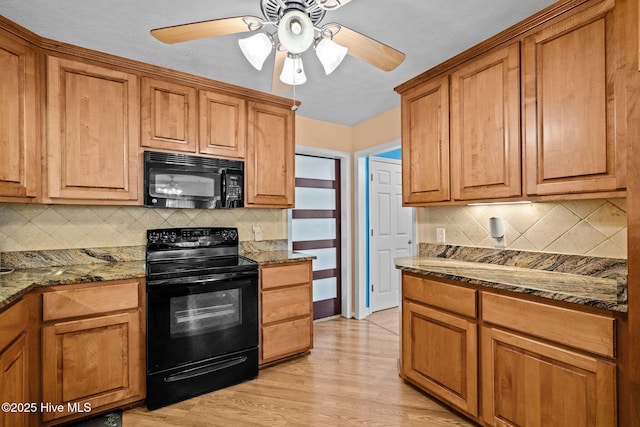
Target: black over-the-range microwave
{"points": [[185, 181]]}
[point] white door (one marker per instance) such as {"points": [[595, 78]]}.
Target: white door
{"points": [[391, 232]]}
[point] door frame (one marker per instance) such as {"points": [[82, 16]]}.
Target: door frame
{"points": [[360, 231], [345, 218]]}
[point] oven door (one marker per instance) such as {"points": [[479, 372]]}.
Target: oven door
{"points": [[206, 318]]}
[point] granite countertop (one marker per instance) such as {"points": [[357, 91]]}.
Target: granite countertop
{"points": [[277, 257], [14, 285], [599, 292], [22, 280]]}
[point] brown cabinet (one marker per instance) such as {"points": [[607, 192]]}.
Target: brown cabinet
{"points": [[270, 156], [535, 112], [286, 311], [92, 347], [485, 126], [93, 129], [16, 352], [425, 143], [529, 381], [516, 363], [168, 115], [223, 125], [439, 341], [20, 159], [572, 126]]}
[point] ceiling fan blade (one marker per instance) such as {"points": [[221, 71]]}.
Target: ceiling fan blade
{"points": [[201, 30], [277, 85], [374, 52]]}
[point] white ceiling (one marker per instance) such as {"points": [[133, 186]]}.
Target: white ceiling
{"points": [[427, 31]]}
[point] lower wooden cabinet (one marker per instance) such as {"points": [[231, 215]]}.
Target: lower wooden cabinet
{"points": [[439, 348], [515, 363], [286, 311], [16, 384], [92, 347], [530, 383]]}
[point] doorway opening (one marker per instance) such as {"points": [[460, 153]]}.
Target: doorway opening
{"points": [[365, 264], [319, 226]]}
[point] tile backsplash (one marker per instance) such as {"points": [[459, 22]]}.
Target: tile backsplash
{"points": [[582, 227], [27, 227]]}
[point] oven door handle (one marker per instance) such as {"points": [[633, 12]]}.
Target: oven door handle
{"points": [[204, 281], [204, 370]]}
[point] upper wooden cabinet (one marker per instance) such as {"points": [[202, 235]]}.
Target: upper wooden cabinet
{"points": [[169, 115], [574, 142], [178, 117], [20, 159], [485, 126], [223, 125], [425, 143], [93, 129], [269, 164]]}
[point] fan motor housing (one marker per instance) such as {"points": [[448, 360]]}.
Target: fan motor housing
{"points": [[273, 10]]}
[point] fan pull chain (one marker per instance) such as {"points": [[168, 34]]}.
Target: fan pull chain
{"points": [[294, 107]]}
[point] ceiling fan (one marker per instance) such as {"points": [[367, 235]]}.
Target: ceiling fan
{"points": [[291, 28]]}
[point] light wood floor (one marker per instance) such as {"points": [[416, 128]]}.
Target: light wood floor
{"points": [[349, 379]]}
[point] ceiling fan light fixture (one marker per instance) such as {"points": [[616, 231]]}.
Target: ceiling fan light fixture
{"points": [[256, 49], [293, 71], [330, 54], [295, 31]]}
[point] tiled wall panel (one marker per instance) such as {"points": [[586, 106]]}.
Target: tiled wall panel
{"points": [[583, 227], [26, 227]]}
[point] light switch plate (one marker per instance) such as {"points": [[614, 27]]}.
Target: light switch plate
{"points": [[257, 233], [440, 235]]}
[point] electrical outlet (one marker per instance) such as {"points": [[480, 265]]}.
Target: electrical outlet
{"points": [[257, 233], [440, 235]]}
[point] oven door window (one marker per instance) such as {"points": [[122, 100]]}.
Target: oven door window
{"points": [[200, 314]]}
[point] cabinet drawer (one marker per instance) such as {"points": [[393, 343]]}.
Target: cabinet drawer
{"points": [[60, 304], [286, 274], [585, 331], [287, 303], [13, 321], [452, 298], [285, 339]]}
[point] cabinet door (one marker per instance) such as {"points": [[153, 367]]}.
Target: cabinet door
{"points": [[285, 339], [93, 132], [94, 360], [425, 143], [485, 126], [528, 383], [20, 160], [269, 165], [439, 355], [223, 125], [574, 143], [169, 116], [14, 383]]}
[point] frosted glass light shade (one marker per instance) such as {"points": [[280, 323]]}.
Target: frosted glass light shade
{"points": [[296, 32], [256, 49], [330, 54], [293, 71]]}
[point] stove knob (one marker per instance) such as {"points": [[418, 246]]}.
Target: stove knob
{"points": [[225, 235], [233, 235], [153, 237], [173, 236]]}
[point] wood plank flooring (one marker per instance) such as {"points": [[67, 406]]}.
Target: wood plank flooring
{"points": [[349, 379]]}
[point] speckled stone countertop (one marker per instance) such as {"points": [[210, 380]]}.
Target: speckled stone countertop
{"points": [[277, 257], [595, 282], [18, 283], [35, 269]]}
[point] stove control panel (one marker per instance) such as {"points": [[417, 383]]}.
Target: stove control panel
{"points": [[193, 237]]}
